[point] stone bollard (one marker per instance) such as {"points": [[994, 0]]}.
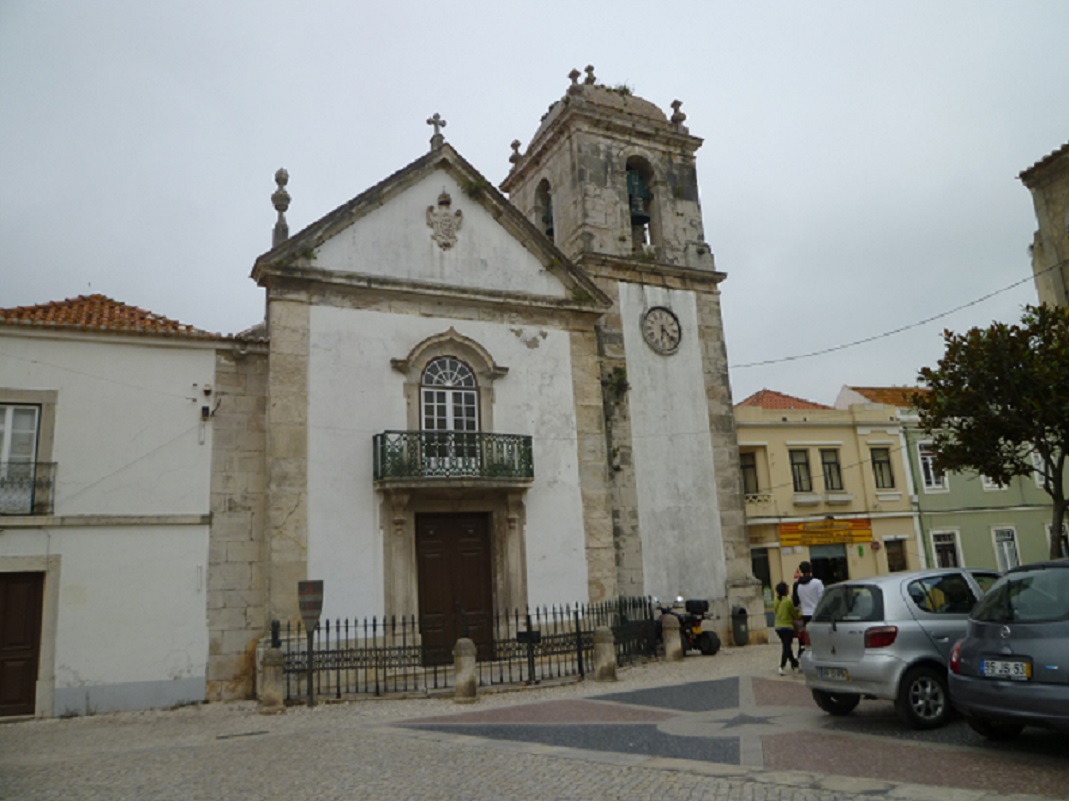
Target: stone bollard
{"points": [[604, 654], [271, 691], [464, 666], [673, 643]]}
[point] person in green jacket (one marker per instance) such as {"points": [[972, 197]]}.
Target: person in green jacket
{"points": [[786, 614]]}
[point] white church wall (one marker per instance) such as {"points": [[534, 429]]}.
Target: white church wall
{"points": [[394, 241], [354, 394], [682, 547]]}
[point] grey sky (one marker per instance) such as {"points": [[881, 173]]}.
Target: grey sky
{"points": [[858, 172]]}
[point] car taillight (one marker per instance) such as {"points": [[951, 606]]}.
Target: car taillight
{"points": [[880, 636], [955, 657]]}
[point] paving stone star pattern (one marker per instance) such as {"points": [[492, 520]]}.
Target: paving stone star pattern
{"points": [[720, 728]]}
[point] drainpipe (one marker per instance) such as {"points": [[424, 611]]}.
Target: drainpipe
{"points": [[914, 498]]}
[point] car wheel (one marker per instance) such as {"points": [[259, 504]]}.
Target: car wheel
{"points": [[836, 703], [923, 700], [708, 643], [995, 729]]}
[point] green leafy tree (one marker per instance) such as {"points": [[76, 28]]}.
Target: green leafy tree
{"points": [[998, 404]]}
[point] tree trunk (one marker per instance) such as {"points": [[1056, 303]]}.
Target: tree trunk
{"points": [[1057, 530]]}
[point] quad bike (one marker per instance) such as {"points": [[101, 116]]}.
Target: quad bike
{"points": [[691, 617]]}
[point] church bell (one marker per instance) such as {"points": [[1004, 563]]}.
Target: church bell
{"points": [[547, 218], [637, 195]]}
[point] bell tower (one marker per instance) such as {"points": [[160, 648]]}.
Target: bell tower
{"points": [[611, 179], [608, 173]]}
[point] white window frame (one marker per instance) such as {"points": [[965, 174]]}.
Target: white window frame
{"points": [[18, 469], [926, 462], [1001, 559], [449, 400], [1037, 469], [955, 540], [449, 406], [990, 485]]}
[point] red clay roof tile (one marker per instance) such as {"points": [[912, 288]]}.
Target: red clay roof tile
{"points": [[99, 313], [768, 399]]}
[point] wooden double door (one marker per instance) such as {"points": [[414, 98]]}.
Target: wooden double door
{"points": [[455, 582], [20, 641]]}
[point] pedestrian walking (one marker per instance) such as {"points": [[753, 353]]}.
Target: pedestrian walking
{"points": [[808, 591], [786, 615]]}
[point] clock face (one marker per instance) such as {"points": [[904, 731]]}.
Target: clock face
{"points": [[660, 329]]}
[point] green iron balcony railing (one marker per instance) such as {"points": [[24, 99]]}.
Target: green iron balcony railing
{"points": [[26, 488], [452, 454]]}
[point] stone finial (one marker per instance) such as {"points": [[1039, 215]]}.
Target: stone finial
{"points": [[280, 198], [574, 75], [678, 116], [437, 140], [515, 157], [590, 80]]}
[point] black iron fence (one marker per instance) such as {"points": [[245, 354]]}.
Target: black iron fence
{"points": [[26, 488], [380, 656]]}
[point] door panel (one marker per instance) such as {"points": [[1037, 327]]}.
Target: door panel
{"points": [[20, 640], [455, 595]]}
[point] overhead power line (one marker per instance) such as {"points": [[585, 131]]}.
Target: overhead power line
{"points": [[890, 333]]}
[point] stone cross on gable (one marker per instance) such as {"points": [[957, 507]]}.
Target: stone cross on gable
{"points": [[437, 140]]}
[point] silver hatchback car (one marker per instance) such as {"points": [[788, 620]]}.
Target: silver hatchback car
{"points": [[890, 637], [1012, 667]]}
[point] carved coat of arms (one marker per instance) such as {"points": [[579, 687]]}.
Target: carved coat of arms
{"points": [[444, 222]]}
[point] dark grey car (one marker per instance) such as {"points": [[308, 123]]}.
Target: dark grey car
{"points": [[1012, 667], [890, 637]]}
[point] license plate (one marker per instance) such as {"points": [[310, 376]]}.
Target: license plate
{"points": [[834, 674], [1012, 669]]}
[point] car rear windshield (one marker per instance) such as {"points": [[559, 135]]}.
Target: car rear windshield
{"points": [[1033, 596], [851, 602]]}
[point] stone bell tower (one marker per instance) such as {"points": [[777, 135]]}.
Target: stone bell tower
{"points": [[607, 173], [612, 180]]}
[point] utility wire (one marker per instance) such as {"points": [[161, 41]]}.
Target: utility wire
{"points": [[893, 331]]}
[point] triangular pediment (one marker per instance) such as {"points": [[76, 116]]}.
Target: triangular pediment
{"points": [[436, 225]]}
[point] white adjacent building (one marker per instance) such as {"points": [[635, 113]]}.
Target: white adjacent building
{"points": [[104, 508]]}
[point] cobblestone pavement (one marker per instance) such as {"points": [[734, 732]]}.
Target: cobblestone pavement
{"points": [[723, 728]]}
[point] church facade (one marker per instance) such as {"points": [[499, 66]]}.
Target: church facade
{"points": [[463, 399], [473, 402]]}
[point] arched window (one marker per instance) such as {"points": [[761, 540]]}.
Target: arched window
{"points": [[449, 396], [640, 203], [449, 406], [544, 208]]}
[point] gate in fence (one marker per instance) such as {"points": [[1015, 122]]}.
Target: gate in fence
{"points": [[377, 656]]}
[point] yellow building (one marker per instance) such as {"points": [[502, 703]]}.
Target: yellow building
{"points": [[825, 485]]}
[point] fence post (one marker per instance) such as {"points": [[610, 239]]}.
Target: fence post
{"points": [[579, 645], [673, 644], [604, 654], [464, 665], [272, 662]]}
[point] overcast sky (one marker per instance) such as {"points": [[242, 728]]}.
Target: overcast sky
{"points": [[859, 171]]}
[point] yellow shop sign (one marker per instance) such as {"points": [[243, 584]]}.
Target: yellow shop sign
{"points": [[825, 532]]}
